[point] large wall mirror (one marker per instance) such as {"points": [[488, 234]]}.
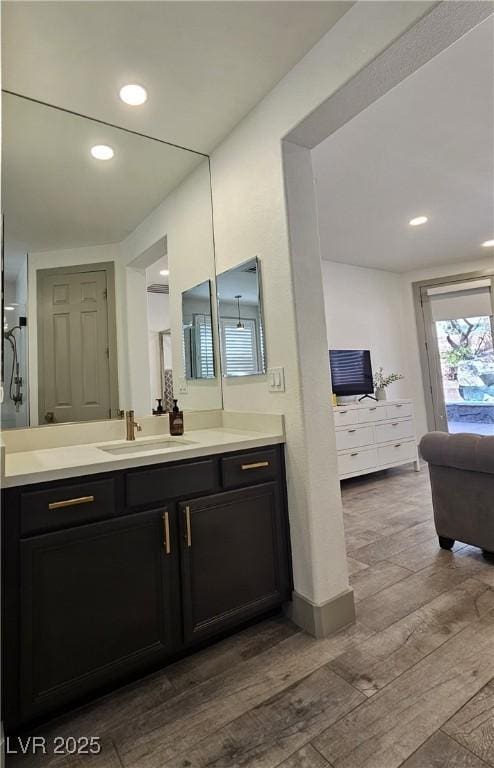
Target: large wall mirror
{"points": [[240, 318], [105, 230]]}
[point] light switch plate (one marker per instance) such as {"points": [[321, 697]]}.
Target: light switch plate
{"points": [[182, 386], [276, 379]]}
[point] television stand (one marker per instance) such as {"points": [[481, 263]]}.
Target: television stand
{"points": [[374, 436], [371, 397]]}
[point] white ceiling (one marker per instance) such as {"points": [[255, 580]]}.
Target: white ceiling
{"points": [[204, 64], [426, 148], [55, 195]]}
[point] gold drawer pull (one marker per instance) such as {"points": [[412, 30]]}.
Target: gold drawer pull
{"points": [[394, 424], [188, 532], [398, 445], [354, 454], [256, 465], [70, 502], [166, 533]]}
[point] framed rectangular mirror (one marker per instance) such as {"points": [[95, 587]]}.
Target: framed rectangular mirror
{"points": [[104, 231], [198, 331], [240, 319]]}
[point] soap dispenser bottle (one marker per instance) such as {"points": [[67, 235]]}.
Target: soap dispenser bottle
{"points": [[176, 420]]}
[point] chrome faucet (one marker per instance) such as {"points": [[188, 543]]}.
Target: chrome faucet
{"points": [[132, 425]]}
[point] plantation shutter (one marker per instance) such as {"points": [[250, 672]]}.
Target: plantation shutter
{"points": [[205, 357], [240, 353]]}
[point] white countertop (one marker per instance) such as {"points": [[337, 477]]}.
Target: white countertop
{"points": [[43, 465]]}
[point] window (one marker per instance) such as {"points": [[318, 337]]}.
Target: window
{"points": [[239, 347]]}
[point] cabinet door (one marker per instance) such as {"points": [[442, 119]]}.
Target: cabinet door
{"points": [[95, 604], [235, 562]]}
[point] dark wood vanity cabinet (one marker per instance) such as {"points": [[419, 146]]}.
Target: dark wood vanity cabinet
{"points": [[98, 591], [94, 599], [233, 561]]}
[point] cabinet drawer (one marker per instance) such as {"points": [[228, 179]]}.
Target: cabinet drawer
{"points": [[249, 468], [66, 505], [398, 410], [354, 437], [397, 452], [394, 430], [372, 413], [344, 416], [149, 486], [357, 461]]}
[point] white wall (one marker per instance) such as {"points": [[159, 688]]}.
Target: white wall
{"points": [[185, 219], [364, 311], [250, 218], [158, 311], [158, 315]]}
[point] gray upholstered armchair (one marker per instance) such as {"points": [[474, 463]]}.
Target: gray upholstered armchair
{"points": [[462, 478]]}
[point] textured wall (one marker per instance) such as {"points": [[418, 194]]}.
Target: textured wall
{"points": [[250, 218]]}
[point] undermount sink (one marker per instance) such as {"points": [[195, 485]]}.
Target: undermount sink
{"points": [[143, 446]]}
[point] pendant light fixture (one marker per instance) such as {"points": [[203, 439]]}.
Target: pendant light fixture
{"points": [[240, 324]]}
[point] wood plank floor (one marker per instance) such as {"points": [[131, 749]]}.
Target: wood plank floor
{"points": [[411, 684]]}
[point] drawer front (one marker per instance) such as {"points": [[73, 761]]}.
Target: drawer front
{"points": [[354, 437], [398, 410], [394, 430], [66, 505], [149, 486], [357, 461], [372, 413], [388, 454], [249, 468], [344, 416]]}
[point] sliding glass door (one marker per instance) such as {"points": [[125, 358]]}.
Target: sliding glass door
{"points": [[459, 342]]}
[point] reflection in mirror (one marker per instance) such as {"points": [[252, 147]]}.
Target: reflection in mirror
{"points": [[241, 320], [198, 332], [97, 255]]}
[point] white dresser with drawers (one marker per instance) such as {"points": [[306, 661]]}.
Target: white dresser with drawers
{"points": [[375, 435]]}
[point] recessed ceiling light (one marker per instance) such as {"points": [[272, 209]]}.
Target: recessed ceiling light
{"points": [[164, 272], [9, 309], [102, 152], [417, 221], [488, 244], [133, 94]]}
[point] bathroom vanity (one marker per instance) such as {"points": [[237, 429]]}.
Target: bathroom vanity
{"points": [[112, 574]]}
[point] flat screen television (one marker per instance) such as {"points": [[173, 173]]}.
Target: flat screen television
{"points": [[351, 372]]}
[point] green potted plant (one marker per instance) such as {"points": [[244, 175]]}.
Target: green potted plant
{"points": [[381, 382]]}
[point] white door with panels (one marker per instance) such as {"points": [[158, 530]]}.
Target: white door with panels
{"points": [[73, 346]]}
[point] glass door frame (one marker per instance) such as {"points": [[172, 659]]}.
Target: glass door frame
{"points": [[428, 346]]}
